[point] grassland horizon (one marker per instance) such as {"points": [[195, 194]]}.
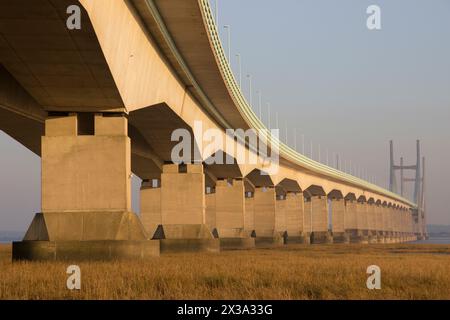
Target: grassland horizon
{"points": [[290, 273]]}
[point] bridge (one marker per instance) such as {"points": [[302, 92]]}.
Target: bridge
{"points": [[101, 103]]}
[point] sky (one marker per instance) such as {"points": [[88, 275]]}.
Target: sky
{"points": [[344, 87]]}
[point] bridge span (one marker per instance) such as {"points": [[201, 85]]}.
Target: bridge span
{"points": [[102, 102]]}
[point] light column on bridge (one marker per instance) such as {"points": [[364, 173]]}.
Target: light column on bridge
{"points": [[337, 208], [86, 193]]}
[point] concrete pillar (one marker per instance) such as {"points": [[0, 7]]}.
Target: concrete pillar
{"points": [[307, 217], [150, 201], [183, 195], [361, 221], [230, 215], [393, 224], [249, 219], [387, 224], [294, 218], [264, 217], [183, 210], [320, 234], [338, 221], [210, 211], [86, 193], [350, 218], [371, 222], [351, 221], [280, 216], [379, 223], [230, 207]]}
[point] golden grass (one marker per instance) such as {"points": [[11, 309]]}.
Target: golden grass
{"points": [[294, 272]]}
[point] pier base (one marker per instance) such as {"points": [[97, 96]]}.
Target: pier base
{"points": [[321, 238]]}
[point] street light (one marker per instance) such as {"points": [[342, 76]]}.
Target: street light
{"points": [[240, 70], [319, 155], [216, 7], [260, 104], [250, 89], [228, 28], [286, 132], [295, 139], [303, 144], [276, 118], [268, 115]]}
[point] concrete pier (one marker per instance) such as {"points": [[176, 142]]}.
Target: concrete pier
{"points": [[86, 194], [294, 219], [320, 233], [338, 219], [230, 215], [265, 208], [182, 225]]}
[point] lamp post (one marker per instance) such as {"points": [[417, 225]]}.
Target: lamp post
{"points": [[260, 104], [228, 28], [240, 69], [216, 7], [250, 89], [303, 144]]}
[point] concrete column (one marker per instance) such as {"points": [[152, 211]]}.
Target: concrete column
{"points": [[230, 215], [280, 216], [150, 201], [387, 225], [230, 207], [379, 223], [371, 222], [183, 195], [249, 219], [307, 217], [265, 208], [86, 193], [361, 221], [294, 218], [210, 211], [338, 221], [351, 226], [395, 225], [183, 210], [320, 232]]}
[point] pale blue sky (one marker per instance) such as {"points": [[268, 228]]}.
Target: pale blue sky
{"points": [[348, 89]]}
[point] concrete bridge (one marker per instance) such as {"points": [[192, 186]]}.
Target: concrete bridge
{"points": [[101, 102]]}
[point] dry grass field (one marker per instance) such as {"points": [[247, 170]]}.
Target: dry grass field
{"points": [[294, 272]]}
